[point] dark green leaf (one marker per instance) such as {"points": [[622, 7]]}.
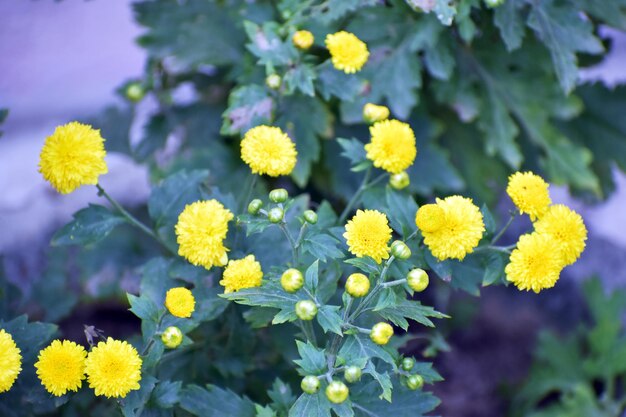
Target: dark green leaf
{"points": [[214, 402], [90, 225], [322, 247], [248, 106], [313, 360], [329, 319]]}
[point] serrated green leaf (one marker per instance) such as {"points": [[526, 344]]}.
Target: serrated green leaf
{"points": [[311, 277], [167, 393], [267, 45], [300, 78], [311, 405], [313, 360], [90, 225], [248, 106], [383, 380], [508, 19], [329, 319], [143, 307], [401, 209], [500, 131], [409, 309], [214, 402], [353, 149], [322, 247], [366, 264], [405, 403], [356, 347], [333, 83]]}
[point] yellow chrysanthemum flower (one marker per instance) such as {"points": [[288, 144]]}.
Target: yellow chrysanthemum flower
{"points": [[452, 228], [303, 39], [373, 113], [242, 273], [113, 368], [535, 264], [529, 193], [180, 302], [567, 228], [347, 52], [200, 233], [61, 367], [268, 150], [10, 361], [73, 156], [392, 147], [368, 234]]}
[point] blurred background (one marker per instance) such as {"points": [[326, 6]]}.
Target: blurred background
{"points": [[64, 60]]}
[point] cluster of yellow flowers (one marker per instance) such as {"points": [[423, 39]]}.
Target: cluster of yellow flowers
{"points": [[557, 241], [112, 368]]}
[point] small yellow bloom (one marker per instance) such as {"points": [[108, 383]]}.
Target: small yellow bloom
{"points": [[73, 156], [347, 52], [113, 368], [180, 302], [303, 39], [529, 193], [368, 234], [357, 285], [381, 333], [567, 228], [200, 233], [392, 147], [373, 113], [452, 228], [61, 367], [242, 273], [268, 150], [535, 264], [10, 361]]}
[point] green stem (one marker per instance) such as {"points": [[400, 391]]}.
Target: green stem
{"points": [[393, 283], [248, 193], [379, 286], [309, 333], [504, 229], [294, 250], [299, 239], [355, 197], [149, 345]]}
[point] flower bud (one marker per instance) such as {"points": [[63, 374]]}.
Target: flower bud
{"points": [[400, 250], [408, 364], [357, 285], [417, 279], [254, 206], [415, 382], [352, 374], [172, 337], [381, 333], [303, 39], [494, 3], [306, 310], [292, 280], [373, 113], [134, 92], [273, 81], [276, 215], [279, 195], [310, 216], [399, 181], [337, 392], [310, 384]]}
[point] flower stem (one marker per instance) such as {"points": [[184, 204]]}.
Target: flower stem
{"points": [[379, 286], [294, 249], [355, 197], [309, 333], [506, 226], [248, 193]]}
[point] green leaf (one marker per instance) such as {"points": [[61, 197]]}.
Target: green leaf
{"points": [[311, 405], [214, 402], [353, 149], [267, 45], [564, 31], [383, 380], [322, 247], [167, 393], [248, 106], [329, 319], [90, 225], [401, 209], [494, 268], [500, 131], [356, 347], [281, 395], [155, 134], [313, 360], [441, 268], [366, 264], [335, 9], [490, 223], [409, 309], [143, 307], [439, 61], [508, 19], [29, 337], [264, 411], [254, 224], [405, 403], [300, 78], [139, 398], [311, 277], [331, 82]]}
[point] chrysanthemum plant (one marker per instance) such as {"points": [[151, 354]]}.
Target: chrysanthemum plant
{"points": [[257, 304]]}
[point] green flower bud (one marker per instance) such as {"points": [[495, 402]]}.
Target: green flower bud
{"points": [[276, 215], [417, 279], [357, 285], [310, 384], [254, 206], [135, 92], [337, 392], [306, 310], [279, 195], [381, 333], [292, 280], [400, 250], [415, 382], [399, 181], [310, 216], [408, 364], [352, 374], [273, 81], [172, 337]]}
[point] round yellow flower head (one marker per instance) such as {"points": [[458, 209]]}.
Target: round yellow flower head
{"points": [[381, 333], [529, 193], [73, 156], [392, 147], [368, 234], [357, 285], [200, 233], [347, 52], [373, 113], [180, 302], [61, 367], [567, 228], [453, 230], [535, 264], [113, 368], [10, 361], [303, 39], [268, 150], [242, 273]]}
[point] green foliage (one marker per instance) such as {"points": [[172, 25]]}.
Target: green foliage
{"points": [[580, 374]]}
